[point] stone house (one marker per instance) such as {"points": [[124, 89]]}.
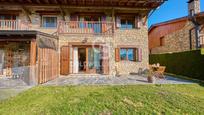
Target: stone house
{"points": [[74, 37], [181, 34]]}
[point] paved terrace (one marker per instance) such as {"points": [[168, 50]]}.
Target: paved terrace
{"points": [[110, 80], [11, 87]]}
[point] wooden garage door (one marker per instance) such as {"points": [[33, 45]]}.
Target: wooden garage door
{"points": [[64, 60]]}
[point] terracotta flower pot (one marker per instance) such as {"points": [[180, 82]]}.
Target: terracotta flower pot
{"points": [[151, 79]]}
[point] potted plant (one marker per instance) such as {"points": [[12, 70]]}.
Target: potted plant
{"points": [[150, 76]]}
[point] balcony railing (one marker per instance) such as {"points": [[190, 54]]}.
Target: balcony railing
{"points": [[85, 27], [13, 25]]}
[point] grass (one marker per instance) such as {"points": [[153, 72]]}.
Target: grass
{"points": [[202, 51], [141, 99]]}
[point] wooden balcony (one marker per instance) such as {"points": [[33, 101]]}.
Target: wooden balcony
{"points": [[13, 25], [86, 27]]}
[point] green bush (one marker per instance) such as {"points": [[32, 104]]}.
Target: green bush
{"points": [[189, 63]]}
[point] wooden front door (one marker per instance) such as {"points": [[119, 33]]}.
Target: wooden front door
{"points": [[64, 60]]}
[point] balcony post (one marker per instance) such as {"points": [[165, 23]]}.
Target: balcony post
{"points": [[113, 20]]}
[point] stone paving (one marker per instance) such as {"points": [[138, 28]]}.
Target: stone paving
{"points": [[110, 80], [10, 87], [10, 83]]}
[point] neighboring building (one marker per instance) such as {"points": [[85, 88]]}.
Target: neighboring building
{"points": [[93, 37], [182, 34]]}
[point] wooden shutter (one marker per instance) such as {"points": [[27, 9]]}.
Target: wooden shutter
{"points": [[104, 27], [138, 55], [117, 54], [118, 22], [105, 62], [64, 60]]}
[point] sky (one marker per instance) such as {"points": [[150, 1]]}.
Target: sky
{"points": [[171, 9]]}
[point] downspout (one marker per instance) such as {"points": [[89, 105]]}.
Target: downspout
{"points": [[197, 30], [190, 38]]}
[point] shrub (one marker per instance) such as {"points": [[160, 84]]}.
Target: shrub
{"points": [[189, 63]]}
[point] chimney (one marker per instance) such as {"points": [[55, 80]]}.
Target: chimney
{"points": [[193, 7]]}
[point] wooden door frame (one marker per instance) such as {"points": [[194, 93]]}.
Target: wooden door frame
{"points": [[87, 57]]}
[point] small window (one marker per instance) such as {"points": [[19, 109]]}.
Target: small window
{"points": [[127, 23], [49, 22], [127, 54], [161, 41], [192, 13]]}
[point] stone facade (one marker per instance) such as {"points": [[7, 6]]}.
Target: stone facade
{"points": [[177, 41], [136, 37], [179, 34], [133, 37]]}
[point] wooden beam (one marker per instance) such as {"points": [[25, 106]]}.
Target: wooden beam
{"points": [[47, 1], [38, 1], [65, 1], [62, 13], [55, 1], [27, 12], [30, 1]]}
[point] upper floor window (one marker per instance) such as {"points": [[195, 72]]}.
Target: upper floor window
{"points": [[127, 23], [49, 21], [8, 17]]}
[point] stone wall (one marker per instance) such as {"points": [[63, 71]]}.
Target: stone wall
{"points": [[136, 37], [177, 41]]}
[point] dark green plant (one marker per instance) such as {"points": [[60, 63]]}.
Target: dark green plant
{"points": [[189, 63]]}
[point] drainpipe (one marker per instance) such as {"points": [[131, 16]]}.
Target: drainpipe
{"points": [[197, 33], [190, 38], [197, 30]]}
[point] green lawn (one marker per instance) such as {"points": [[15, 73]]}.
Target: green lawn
{"points": [[144, 99]]}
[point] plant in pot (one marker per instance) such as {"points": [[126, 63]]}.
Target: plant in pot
{"points": [[150, 76]]}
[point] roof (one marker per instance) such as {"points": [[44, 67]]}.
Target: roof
{"points": [[25, 33], [104, 3], [43, 39], [201, 14]]}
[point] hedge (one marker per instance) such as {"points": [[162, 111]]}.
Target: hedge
{"points": [[189, 63]]}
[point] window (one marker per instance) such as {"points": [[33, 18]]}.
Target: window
{"points": [[127, 54], [127, 23], [49, 22], [8, 17], [161, 41], [192, 13]]}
